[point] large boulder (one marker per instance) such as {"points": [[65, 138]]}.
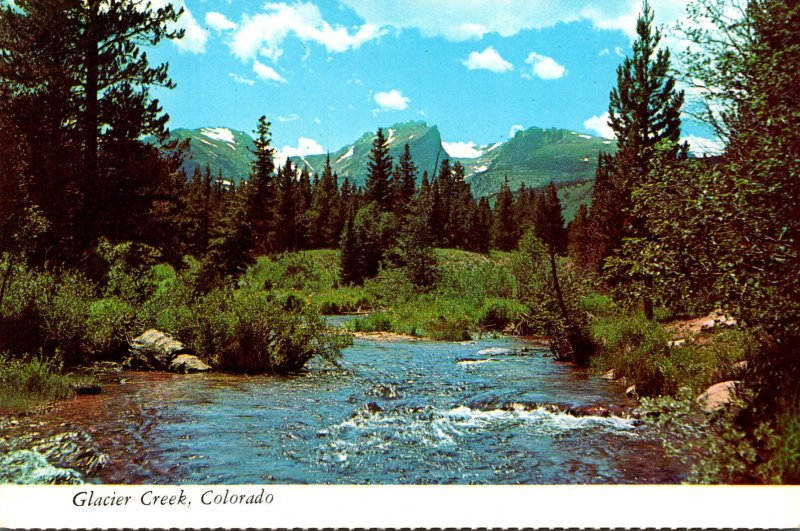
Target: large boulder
{"points": [[25, 467], [717, 396], [187, 363], [154, 351]]}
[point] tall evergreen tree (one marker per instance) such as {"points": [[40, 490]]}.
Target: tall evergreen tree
{"points": [[379, 171], [406, 182], [286, 209], [261, 191], [644, 110], [504, 227], [82, 84]]}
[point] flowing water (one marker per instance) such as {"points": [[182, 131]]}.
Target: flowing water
{"points": [[393, 412]]}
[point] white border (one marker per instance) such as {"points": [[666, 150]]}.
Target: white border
{"points": [[415, 506]]}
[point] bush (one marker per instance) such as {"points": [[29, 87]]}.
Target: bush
{"points": [[26, 383], [500, 314], [108, 325], [718, 450], [374, 322], [342, 300], [247, 332], [599, 305], [635, 348], [45, 312]]}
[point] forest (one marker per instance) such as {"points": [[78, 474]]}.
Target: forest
{"points": [[102, 236]]}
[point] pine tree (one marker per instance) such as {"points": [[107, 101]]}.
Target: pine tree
{"points": [[504, 227], [350, 270], [379, 170], [644, 110], [286, 210], [406, 184], [261, 191], [81, 86], [580, 246]]}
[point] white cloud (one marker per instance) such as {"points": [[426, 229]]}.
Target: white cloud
{"points": [[704, 146], [305, 146], [289, 118], [264, 34], [219, 22], [267, 73], [392, 100], [466, 150], [603, 52], [514, 130], [242, 80], [618, 51], [460, 20], [545, 67], [599, 124], [489, 59], [195, 38]]}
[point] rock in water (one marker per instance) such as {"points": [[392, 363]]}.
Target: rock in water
{"points": [[154, 350], [25, 467], [187, 363], [717, 396]]}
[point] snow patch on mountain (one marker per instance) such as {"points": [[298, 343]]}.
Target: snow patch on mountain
{"points": [[493, 147], [391, 136], [347, 155], [218, 133], [462, 150], [587, 137]]}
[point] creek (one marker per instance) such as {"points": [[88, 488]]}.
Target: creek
{"points": [[407, 412]]}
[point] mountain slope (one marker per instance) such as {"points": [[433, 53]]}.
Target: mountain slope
{"points": [[351, 161], [535, 157], [220, 148]]}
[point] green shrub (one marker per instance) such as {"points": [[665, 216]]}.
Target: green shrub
{"points": [[599, 305], [716, 448], [374, 322], [500, 314], [64, 317], [24, 383], [304, 271], [635, 348], [449, 329], [110, 322], [248, 332], [342, 300]]}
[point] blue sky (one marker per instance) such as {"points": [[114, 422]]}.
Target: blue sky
{"points": [[324, 72]]}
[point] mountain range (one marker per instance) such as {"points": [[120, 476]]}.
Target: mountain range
{"points": [[533, 157]]}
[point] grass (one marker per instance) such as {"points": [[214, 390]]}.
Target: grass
{"points": [[26, 384], [637, 350]]}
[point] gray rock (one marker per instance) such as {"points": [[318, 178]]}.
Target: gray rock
{"points": [[26, 467], [187, 363], [718, 396], [609, 375], [154, 351]]}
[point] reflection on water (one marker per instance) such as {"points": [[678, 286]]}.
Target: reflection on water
{"points": [[402, 412]]}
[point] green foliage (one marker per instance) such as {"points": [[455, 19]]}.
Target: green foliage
{"points": [[25, 384], [716, 447], [129, 270], [636, 349], [342, 301], [501, 314], [249, 333], [110, 321], [599, 304]]}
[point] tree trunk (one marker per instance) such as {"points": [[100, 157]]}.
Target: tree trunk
{"points": [[647, 300], [559, 295]]}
